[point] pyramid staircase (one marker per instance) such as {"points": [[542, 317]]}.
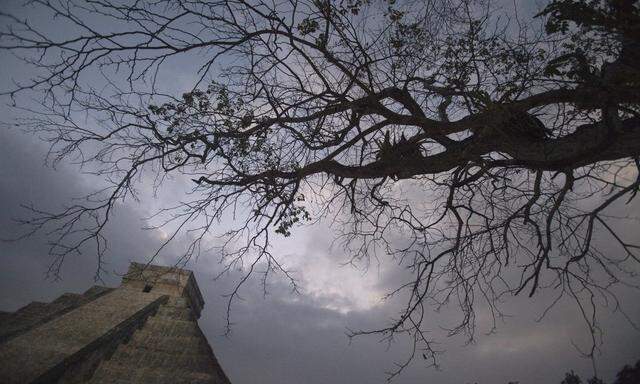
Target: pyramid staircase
{"points": [[168, 348], [144, 331], [13, 324]]}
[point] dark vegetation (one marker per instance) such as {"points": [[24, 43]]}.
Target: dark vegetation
{"points": [[627, 375]]}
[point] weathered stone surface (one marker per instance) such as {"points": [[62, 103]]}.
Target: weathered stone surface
{"points": [[144, 331], [36, 313], [171, 281]]}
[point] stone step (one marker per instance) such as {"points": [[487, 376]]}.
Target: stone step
{"points": [[171, 327], [38, 313], [181, 302], [175, 313], [96, 291], [68, 299], [170, 344], [110, 372], [32, 307], [119, 306], [5, 316], [136, 356]]}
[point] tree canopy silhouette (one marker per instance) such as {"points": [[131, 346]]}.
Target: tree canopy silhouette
{"points": [[481, 151], [627, 375]]}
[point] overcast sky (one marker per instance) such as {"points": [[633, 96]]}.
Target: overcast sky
{"points": [[283, 337]]}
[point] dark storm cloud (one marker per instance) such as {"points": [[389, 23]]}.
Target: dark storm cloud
{"points": [[283, 338], [286, 338], [26, 180]]}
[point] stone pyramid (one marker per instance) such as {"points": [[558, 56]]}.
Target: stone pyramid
{"points": [[144, 331]]}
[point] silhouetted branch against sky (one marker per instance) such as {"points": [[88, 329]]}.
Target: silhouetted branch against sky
{"points": [[482, 150]]}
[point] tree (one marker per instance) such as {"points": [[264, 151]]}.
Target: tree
{"points": [[481, 154], [571, 378], [628, 374]]}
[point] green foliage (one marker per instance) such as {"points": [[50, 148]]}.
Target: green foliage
{"points": [[290, 216], [406, 35], [352, 6], [307, 26], [597, 30], [617, 16], [562, 13], [222, 113]]}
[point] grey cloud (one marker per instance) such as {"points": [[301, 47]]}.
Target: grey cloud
{"points": [[285, 338]]}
